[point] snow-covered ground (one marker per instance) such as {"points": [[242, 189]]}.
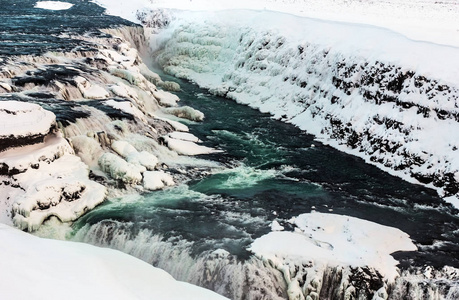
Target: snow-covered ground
{"points": [[424, 20], [35, 268]]}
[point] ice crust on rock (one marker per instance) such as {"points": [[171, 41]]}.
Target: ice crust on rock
{"points": [[88, 272], [45, 179], [185, 112], [60, 189], [143, 158]]}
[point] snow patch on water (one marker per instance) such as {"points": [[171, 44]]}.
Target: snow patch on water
{"points": [[53, 5]]}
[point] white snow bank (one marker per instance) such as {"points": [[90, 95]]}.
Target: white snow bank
{"points": [[24, 119], [155, 180], [35, 268], [336, 240], [53, 5], [426, 20]]}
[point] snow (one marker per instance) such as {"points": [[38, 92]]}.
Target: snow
{"points": [[24, 119], [51, 182], [120, 169], [143, 158], [335, 240], [256, 59], [187, 147], [185, 112], [165, 98], [35, 268], [184, 136], [155, 180], [424, 20], [53, 5], [127, 107], [175, 124]]}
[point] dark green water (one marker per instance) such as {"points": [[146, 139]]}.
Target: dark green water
{"points": [[277, 172]]}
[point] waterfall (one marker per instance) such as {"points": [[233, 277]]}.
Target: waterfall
{"points": [[216, 270]]}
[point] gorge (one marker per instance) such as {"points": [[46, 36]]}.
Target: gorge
{"points": [[250, 204]]}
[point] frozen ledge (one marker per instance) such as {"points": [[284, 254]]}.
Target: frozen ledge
{"points": [[334, 240]]}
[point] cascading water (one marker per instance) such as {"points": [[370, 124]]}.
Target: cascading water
{"points": [[199, 232], [201, 229]]}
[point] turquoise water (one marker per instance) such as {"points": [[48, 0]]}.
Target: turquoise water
{"points": [[273, 171]]}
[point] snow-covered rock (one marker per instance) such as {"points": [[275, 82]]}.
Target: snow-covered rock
{"points": [[23, 123], [185, 147], [155, 180], [120, 169], [323, 241], [185, 112]]}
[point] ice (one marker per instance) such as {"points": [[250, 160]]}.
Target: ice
{"points": [[185, 112], [133, 156], [187, 148], [155, 180], [336, 240], [177, 125], [120, 169], [53, 5], [58, 188], [184, 136], [81, 271], [165, 98]]}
